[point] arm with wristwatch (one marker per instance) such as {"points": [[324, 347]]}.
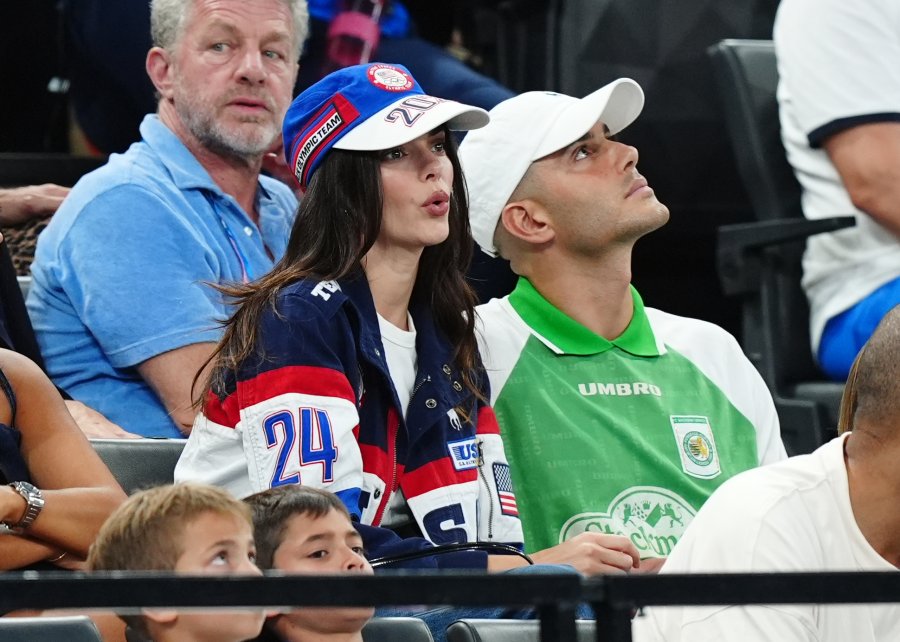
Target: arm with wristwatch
{"points": [[55, 516]]}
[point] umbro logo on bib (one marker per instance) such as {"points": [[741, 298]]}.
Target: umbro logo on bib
{"points": [[618, 389]]}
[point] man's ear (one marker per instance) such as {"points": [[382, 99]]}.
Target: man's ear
{"points": [[527, 220], [159, 68]]}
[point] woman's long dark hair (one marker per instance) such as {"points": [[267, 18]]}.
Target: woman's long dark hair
{"points": [[337, 223]]}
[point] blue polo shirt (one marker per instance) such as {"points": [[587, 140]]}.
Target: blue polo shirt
{"points": [[122, 272]]}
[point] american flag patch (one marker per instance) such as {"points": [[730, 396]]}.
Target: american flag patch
{"points": [[505, 490]]}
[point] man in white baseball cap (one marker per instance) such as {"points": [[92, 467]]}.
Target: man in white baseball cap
{"points": [[616, 418]]}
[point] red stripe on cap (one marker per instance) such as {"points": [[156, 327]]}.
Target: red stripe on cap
{"points": [[314, 141]]}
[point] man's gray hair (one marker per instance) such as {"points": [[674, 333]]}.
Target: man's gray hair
{"points": [[167, 21]]}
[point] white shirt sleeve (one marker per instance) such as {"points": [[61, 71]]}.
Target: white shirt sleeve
{"points": [[839, 59]]}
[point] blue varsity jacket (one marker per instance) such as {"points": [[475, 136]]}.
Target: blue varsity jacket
{"points": [[317, 406]]}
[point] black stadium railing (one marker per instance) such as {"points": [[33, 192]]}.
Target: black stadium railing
{"points": [[554, 596], [614, 598]]}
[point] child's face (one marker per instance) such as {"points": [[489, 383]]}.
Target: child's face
{"points": [[323, 545], [219, 544]]}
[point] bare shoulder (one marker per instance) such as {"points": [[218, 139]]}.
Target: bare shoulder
{"points": [[24, 374], [38, 402]]}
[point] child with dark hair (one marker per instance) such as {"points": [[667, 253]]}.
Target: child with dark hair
{"points": [[299, 529]]}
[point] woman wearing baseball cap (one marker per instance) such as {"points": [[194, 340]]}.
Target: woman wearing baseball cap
{"points": [[353, 365]]}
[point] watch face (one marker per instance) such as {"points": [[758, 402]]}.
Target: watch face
{"points": [[23, 486]]}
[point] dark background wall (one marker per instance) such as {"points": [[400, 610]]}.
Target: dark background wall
{"points": [[576, 46], [31, 118], [573, 46]]}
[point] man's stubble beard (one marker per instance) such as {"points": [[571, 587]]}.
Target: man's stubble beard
{"points": [[200, 120]]}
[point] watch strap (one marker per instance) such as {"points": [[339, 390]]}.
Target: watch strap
{"points": [[34, 503]]}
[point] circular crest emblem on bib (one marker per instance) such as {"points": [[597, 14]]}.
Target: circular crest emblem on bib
{"points": [[389, 78], [698, 448]]}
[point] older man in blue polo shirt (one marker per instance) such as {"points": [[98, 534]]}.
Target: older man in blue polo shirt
{"points": [[122, 299]]}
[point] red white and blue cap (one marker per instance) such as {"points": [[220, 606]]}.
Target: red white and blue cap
{"points": [[365, 108]]}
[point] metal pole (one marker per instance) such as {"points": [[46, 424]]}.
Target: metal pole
{"points": [[558, 622], [613, 622]]}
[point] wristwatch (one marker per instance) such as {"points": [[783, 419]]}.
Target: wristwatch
{"points": [[34, 500]]}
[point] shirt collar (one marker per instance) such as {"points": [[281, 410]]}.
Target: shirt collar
{"points": [[186, 171], [564, 335]]}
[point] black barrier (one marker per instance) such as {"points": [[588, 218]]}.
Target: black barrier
{"points": [[555, 597]]}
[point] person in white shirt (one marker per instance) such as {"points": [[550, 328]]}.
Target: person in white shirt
{"points": [[833, 510], [839, 100]]}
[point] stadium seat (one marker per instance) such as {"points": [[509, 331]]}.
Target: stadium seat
{"points": [[24, 285], [390, 629], [140, 463], [77, 628], [509, 631], [761, 261]]}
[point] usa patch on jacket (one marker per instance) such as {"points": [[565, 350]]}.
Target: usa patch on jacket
{"points": [[464, 453], [505, 490]]}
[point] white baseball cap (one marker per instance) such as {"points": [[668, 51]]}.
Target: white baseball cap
{"points": [[526, 128]]}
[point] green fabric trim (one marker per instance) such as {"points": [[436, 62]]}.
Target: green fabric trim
{"points": [[564, 332]]}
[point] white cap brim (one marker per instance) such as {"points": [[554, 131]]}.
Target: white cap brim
{"points": [[391, 126], [616, 105]]}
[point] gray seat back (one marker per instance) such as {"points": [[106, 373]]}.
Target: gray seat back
{"points": [[474, 630], [140, 463], [775, 313], [389, 629], [76, 628]]}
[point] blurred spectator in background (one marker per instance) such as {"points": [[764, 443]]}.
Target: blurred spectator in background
{"points": [[840, 117], [107, 44]]}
